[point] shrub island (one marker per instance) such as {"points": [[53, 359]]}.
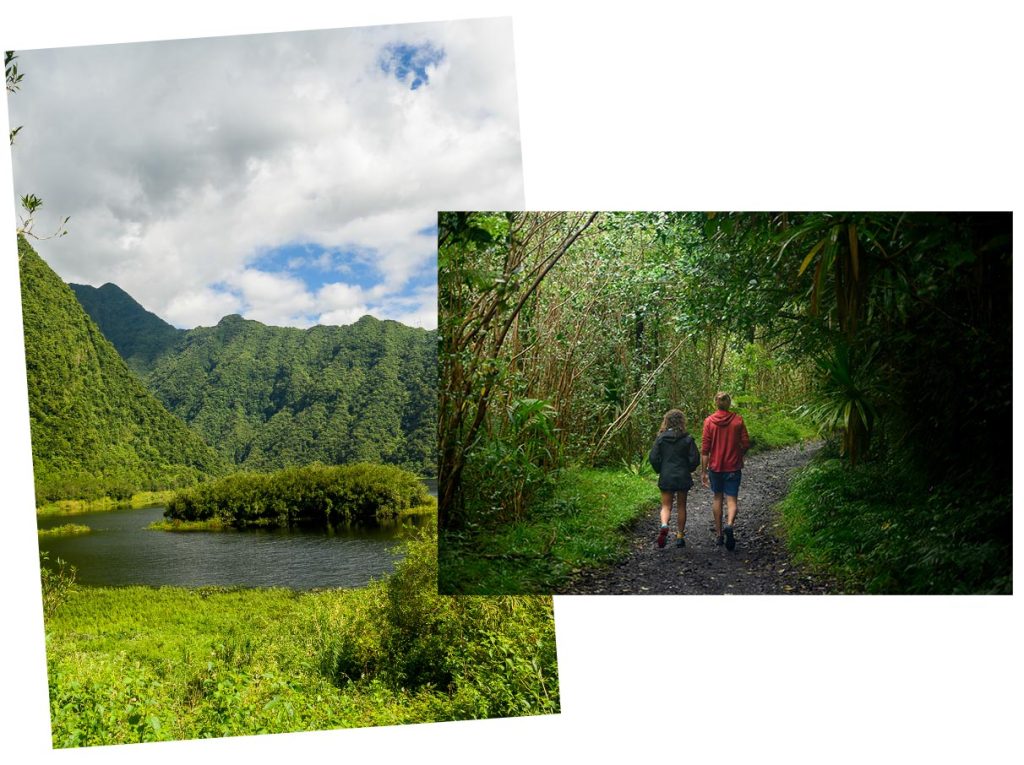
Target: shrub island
{"points": [[313, 495]]}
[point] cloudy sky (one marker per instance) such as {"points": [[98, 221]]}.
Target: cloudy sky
{"points": [[293, 178]]}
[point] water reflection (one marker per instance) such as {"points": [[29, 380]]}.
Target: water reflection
{"points": [[121, 550]]}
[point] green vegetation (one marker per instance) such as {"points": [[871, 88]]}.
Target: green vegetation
{"points": [[772, 429], [65, 530], [140, 336], [96, 431], [582, 522], [565, 337], [134, 502], [58, 583], [140, 664], [273, 397], [880, 528], [316, 495]]}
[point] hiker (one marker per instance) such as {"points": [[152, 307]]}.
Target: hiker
{"points": [[674, 458], [723, 444]]}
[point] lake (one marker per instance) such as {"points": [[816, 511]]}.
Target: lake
{"points": [[120, 550]]}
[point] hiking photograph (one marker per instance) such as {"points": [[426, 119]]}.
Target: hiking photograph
{"points": [[227, 259], [725, 403]]}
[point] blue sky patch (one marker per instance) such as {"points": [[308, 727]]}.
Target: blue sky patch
{"points": [[408, 63], [425, 276], [316, 265]]}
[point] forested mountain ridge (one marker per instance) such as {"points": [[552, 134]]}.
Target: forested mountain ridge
{"points": [[271, 397], [96, 430], [140, 336]]}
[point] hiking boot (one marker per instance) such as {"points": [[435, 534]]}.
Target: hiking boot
{"points": [[662, 536], [730, 542], [680, 541], [720, 540]]}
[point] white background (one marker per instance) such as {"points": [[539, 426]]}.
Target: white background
{"points": [[785, 105]]}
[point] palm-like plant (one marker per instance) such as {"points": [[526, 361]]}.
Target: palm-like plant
{"points": [[847, 399]]}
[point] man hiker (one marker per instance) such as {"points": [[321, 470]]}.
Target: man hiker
{"points": [[724, 443]]}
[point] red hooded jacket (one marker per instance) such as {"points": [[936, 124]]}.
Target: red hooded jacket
{"points": [[725, 440]]}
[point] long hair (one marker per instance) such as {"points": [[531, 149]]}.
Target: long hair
{"points": [[674, 420]]}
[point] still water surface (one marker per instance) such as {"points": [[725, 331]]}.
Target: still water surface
{"points": [[120, 550]]}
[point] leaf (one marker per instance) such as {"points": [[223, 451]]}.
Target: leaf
{"points": [[816, 289], [854, 260], [810, 257]]}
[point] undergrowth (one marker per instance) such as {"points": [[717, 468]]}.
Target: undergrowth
{"points": [[582, 523], [879, 528]]}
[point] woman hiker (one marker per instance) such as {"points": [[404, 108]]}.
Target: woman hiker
{"points": [[674, 457]]}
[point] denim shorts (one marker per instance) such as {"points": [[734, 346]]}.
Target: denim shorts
{"points": [[727, 483]]}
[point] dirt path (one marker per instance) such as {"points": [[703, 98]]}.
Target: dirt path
{"points": [[760, 564]]}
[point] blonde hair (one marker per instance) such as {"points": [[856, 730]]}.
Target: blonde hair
{"points": [[674, 419], [723, 400]]}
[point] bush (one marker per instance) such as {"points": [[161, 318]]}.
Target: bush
{"points": [[58, 583], [881, 528], [493, 656], [315, 494]]}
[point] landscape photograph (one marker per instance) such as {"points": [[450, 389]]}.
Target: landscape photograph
{"points": [[746, 403], [227, 252]]}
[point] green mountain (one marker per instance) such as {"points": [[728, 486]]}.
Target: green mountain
{"points": [[96, 430], [272, 397], [139, 335]]}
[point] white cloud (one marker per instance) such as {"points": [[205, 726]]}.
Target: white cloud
{"points": [[204, 307], [181, 162]]}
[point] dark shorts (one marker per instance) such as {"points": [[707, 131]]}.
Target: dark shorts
{"points": [[684, 484], [725, 483]]}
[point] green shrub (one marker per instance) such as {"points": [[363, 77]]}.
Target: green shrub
{"points": [[490, 656], [315, 494], [58, 583], [879, 527]]}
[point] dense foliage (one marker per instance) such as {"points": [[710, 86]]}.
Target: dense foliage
{"points": [[315, 494], [566, 336], [140, 336], [141, 664], [875, 534], [269, 397], [96, 430]]}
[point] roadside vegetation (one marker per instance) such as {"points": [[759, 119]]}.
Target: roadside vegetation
{"points": [[874, 534]]}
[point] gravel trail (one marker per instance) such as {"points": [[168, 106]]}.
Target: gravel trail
{"points": [[760, 564]]}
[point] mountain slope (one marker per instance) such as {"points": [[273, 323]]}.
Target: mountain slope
{"points": [[138, 335], [95, 428], [270, 397]]}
